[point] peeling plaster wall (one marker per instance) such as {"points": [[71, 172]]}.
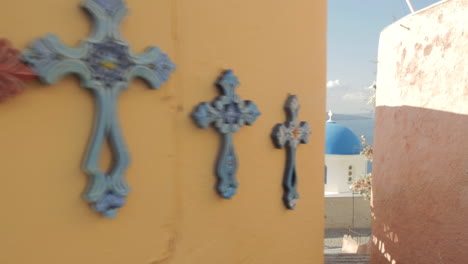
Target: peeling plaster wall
{"points": [[173, 214], [420, 183], [422, 59]]}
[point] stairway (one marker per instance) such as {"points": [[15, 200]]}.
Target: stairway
{"points": [[346, 259]]}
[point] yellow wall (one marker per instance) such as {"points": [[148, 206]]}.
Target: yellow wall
{"points": [[173, 214]]}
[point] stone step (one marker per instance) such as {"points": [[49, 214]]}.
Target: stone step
{"points": [[346, 259]]}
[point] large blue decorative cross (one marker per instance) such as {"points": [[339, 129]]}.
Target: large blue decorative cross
{"points": [[228, 113], [106, 66], [289, 135]]}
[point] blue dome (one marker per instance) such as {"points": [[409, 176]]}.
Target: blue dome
{"points": [[340, 140]]}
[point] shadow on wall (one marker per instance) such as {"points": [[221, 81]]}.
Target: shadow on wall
{"points": [[383, 242], [420, 186]]}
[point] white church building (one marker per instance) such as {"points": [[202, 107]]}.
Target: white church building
{"points": [[344, 165]]}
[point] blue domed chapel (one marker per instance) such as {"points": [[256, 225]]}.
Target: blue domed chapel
{"points": [[343, 166], [343, 162]]}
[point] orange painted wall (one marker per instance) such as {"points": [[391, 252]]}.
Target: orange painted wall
{"points": [[173, 214], [420, 187]]}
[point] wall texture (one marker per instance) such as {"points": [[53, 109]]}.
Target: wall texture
{"points": [[347, 212], [173, 214], [420, 186]]}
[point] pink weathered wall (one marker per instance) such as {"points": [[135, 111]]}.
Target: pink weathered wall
{"points": [[420, 184]]}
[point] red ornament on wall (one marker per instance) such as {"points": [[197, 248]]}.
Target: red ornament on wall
{"points": [[13, 72]]}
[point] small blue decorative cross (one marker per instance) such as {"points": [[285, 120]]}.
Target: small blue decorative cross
{"points": [[106, 66], [228, 113], [289, 135]]}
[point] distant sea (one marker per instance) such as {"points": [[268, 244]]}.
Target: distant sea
{"points": [[360, 124]]}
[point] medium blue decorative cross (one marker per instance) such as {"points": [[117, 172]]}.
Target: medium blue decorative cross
{"points": [[106, 66], [289, 135], [228, 113]]}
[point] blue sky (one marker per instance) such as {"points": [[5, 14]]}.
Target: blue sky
{"points": [[353, 35]]}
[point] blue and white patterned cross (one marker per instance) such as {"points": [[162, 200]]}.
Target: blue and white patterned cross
{"points": [[106, 66], [228, 113], [289, 135]]}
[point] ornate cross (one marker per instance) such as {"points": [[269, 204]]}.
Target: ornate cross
{"points": [[106, 66], [289, 135], [228, 113]]}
